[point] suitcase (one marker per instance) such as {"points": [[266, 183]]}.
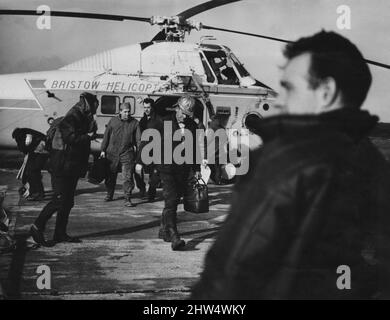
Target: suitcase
{"points": [[98, 171]]}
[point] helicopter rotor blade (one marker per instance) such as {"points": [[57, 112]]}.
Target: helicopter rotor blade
{"points": [[245, 33], [85, 15], [194, 11], [375, 63]]}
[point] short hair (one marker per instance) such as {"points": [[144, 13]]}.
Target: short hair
{"points": [[149, 101], [334, 56], [16, 132], [125, 104]]}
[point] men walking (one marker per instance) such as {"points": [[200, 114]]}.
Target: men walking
{"points": [[311, 218], [69, 160], [121, 141], [175, 174]]}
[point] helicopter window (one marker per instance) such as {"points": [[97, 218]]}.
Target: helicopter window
{"points": [[130, 100], [240, 67], [109, 104], [209, 74], [222, 67]]}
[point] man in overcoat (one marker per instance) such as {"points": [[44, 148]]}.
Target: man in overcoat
{"points": [[310, 220], [120, 145]]}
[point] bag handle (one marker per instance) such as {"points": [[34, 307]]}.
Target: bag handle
{"points": [[197, 181]]}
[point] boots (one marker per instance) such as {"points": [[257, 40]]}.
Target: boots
{"points": [[168, 231], [39, 238], [176, 242], [128, 202], [109, 197], [171, 235]]}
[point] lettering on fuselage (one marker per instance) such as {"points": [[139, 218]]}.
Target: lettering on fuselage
{"points": [[113, 86], [75, 84]]}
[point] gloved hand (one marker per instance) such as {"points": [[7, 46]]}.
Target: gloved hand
{"points": [[138, 168], [92, 135], [198, 175]]}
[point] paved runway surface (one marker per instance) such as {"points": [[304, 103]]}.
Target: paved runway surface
{"points": [[120, 256]]}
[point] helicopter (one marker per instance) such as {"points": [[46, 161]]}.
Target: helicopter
{"points": [[163, 68]]}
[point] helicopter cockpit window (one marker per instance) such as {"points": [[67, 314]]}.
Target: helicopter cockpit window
{"points": [[109, 105], [209, 74], [222, 67], [240, 68], [130, 100]]}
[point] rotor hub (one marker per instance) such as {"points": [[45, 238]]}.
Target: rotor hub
{"points": [[175, 27]]}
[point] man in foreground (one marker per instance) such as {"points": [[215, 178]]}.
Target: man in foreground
{"points": [[311, 218]]}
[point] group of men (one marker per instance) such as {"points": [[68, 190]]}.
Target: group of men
{"points": [[121, 148], [316, 196]]}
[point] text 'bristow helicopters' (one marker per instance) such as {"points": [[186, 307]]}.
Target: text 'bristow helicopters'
{"points": [[163, 69]]}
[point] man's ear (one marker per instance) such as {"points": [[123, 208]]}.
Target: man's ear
{"points": [[328, 93]]}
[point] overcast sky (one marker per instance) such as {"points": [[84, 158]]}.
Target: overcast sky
{"points": [[23, 47]]}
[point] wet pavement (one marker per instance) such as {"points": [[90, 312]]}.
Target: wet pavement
{"points": [[120, 256]]}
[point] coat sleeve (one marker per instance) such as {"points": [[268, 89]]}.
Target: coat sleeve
{"points": [[196, 144], [137, 141], [106, 138], [70, 135], [137, 135], [280, 225]]}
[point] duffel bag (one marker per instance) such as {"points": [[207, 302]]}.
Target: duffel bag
{"points": [[98, 171], [196, 198]]}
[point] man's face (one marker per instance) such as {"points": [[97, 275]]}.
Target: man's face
{"points": [[125, 113], [147, 108], [180, 116], [296, 95], [95, 106]]}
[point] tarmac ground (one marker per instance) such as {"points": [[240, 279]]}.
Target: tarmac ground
{"points": [[120, 256]]}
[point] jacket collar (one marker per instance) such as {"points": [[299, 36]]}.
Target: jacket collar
{"points": [[356, 124]]}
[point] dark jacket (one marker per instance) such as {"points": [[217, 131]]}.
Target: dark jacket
{"points": [[121, 141], [147, 123], [171, 121], [74, 128], [20, 138], [217, 140], [316, 198]]}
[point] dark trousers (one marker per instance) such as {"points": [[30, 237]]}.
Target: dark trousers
{"points": [[128, 183], [62, 203], [154, 181], [35, 163], [216, 173], [139, 180], [174, 185]]}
